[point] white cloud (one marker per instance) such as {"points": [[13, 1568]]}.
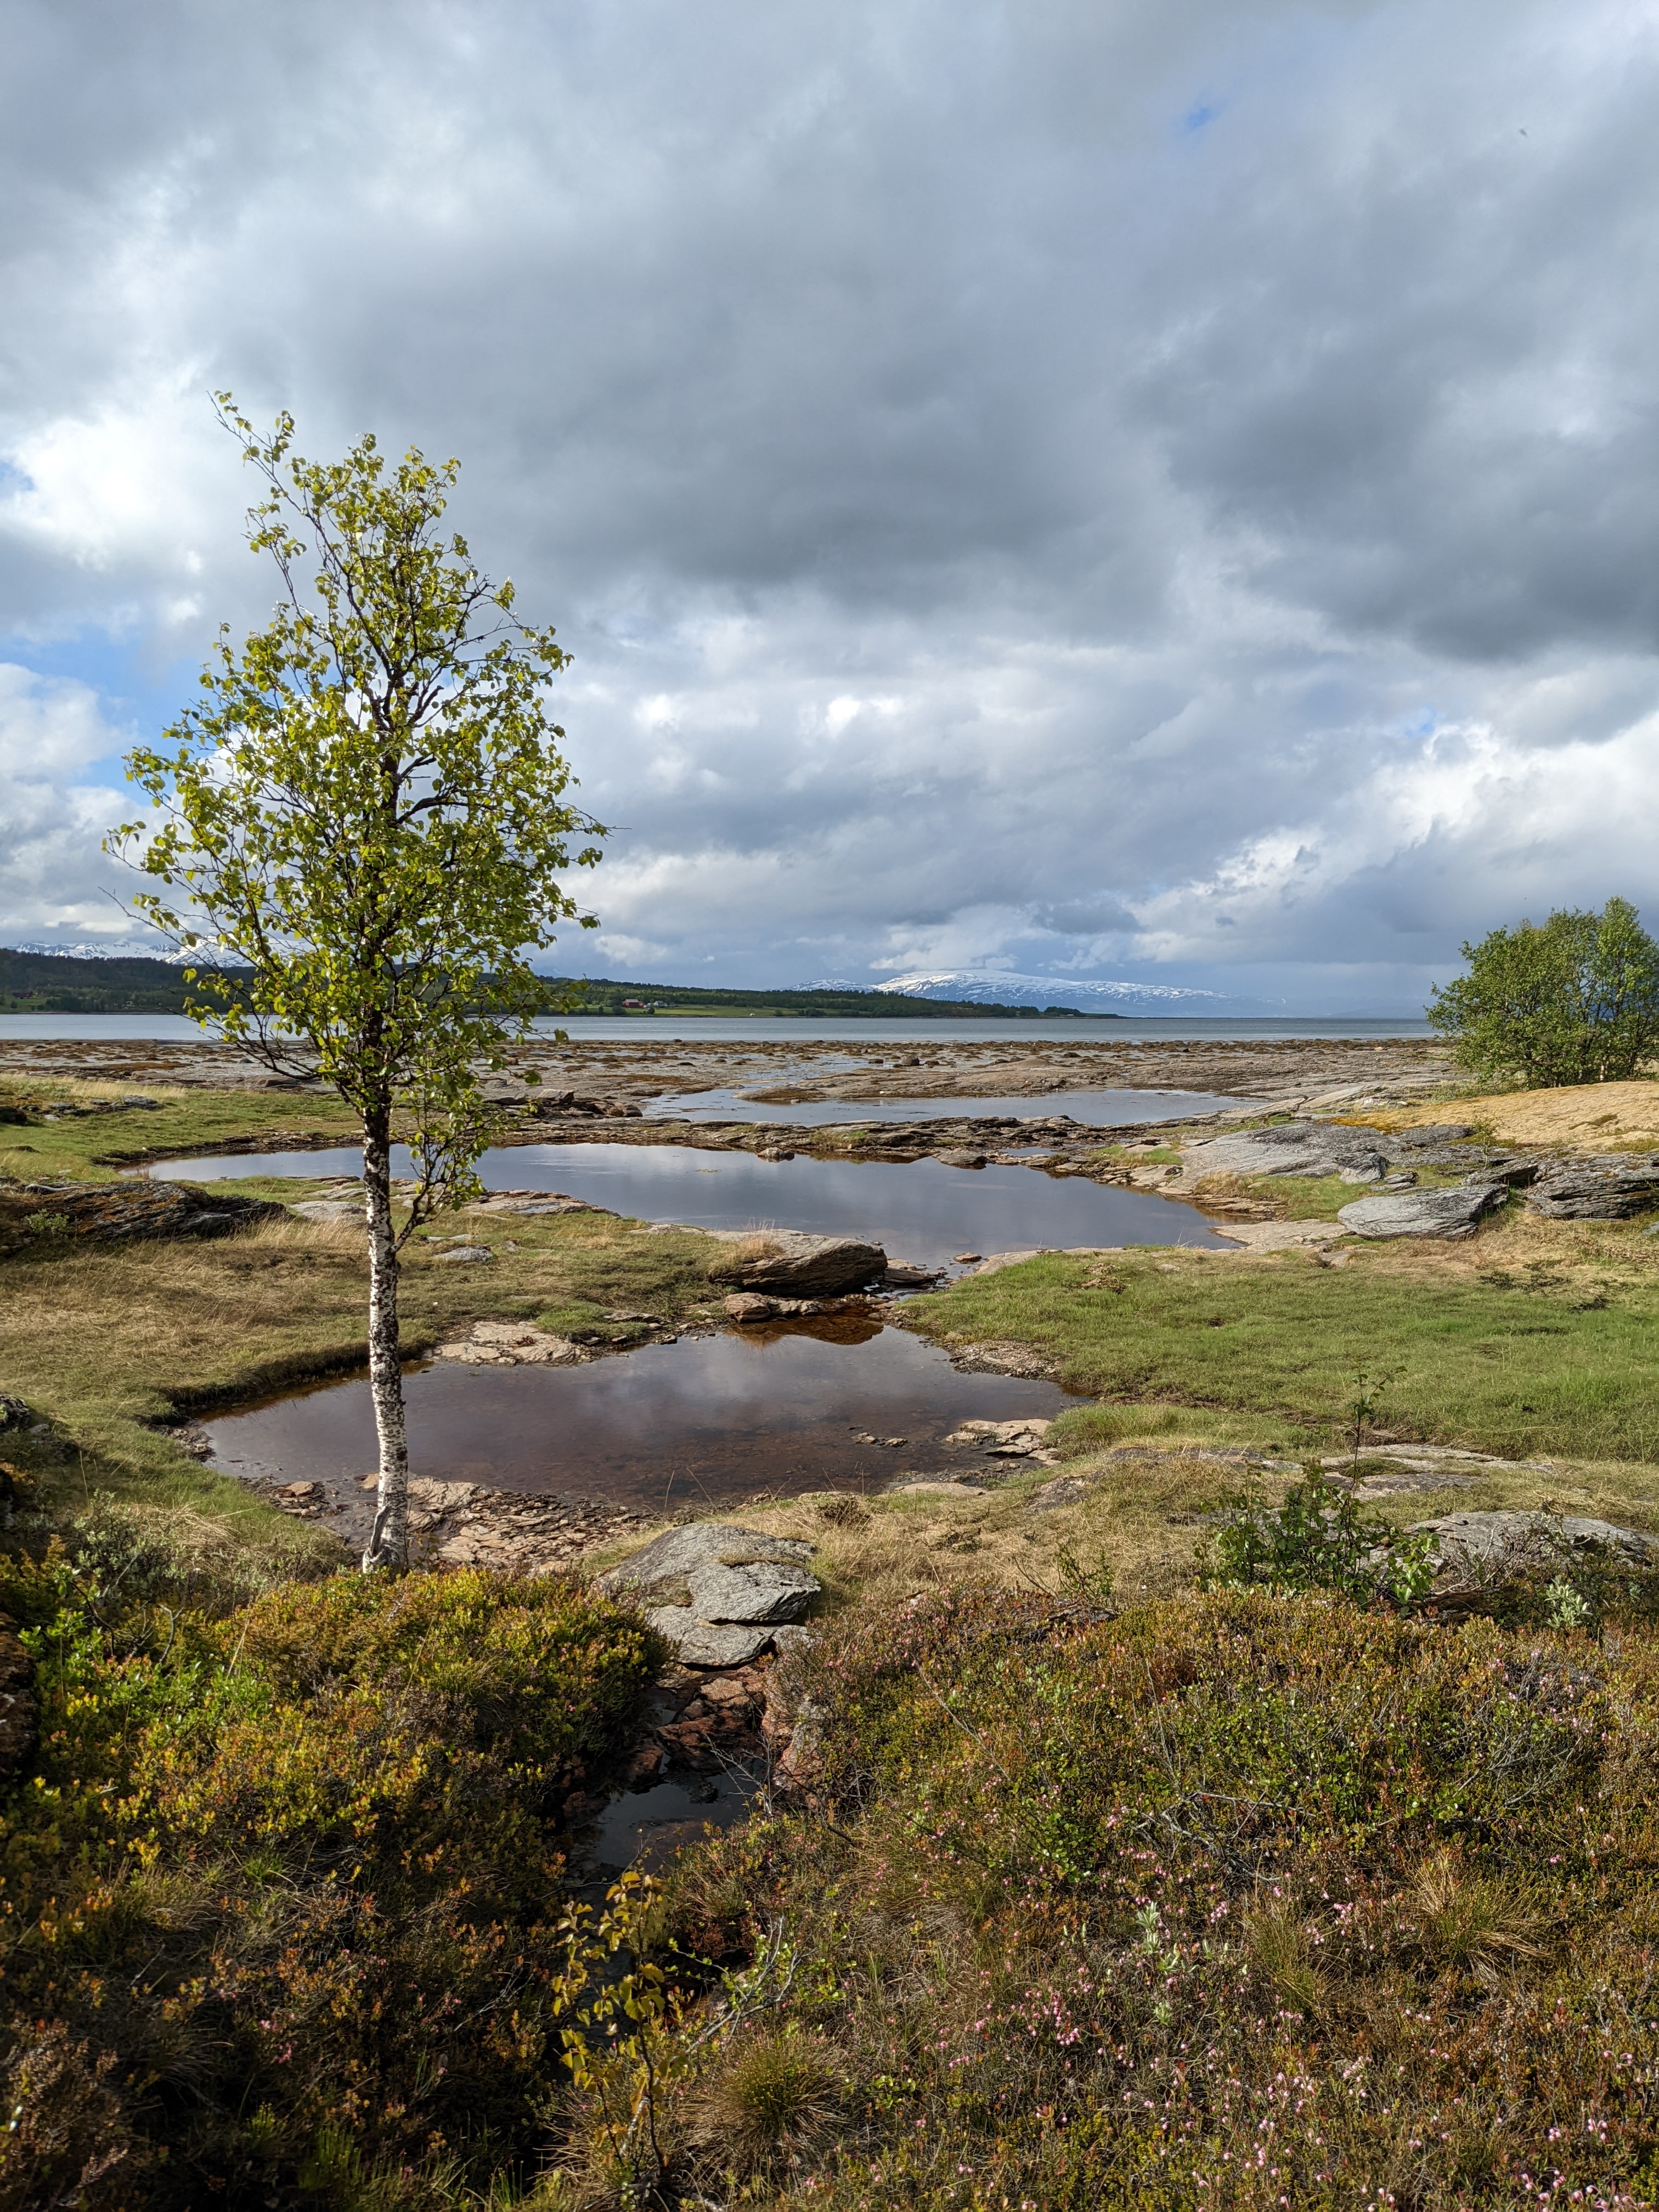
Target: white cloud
{"points": [[1075, 486]]}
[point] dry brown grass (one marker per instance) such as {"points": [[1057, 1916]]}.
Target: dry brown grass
{"points": [[1594, 1117]]}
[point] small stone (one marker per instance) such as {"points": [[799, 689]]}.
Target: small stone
{"points": [[463, 1255], [748, 1308], [965, 1259]]}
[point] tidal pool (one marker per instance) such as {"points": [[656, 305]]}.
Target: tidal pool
{"points": [[705, 1421], [918, 1210]]}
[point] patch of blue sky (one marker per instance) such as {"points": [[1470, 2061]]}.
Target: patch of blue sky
{"points": [[135, 697], [1199, 116]]}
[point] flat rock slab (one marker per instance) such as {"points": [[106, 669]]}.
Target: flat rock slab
{"points": [[463, 1255], [138, 1207], [1443, 1213], [749, 1307], [790, 1263], [1312, 1148], [1064, 1490], [1488, 1536], [1272, 1236], [511, 1343], [995, 1262]]}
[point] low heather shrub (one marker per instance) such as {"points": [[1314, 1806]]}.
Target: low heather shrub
{"points": [[282, 1888], [1238, 1901]]}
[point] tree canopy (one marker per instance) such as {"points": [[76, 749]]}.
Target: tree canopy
{"points": [[367, 810], [1572, 999]]}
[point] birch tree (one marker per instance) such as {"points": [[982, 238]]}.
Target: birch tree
{"points": [[367, 808]]}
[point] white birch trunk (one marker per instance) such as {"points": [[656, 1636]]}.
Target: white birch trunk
{"points": [[388, 1545]]}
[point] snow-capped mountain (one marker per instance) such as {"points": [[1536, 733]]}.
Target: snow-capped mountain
{"points": [[110, 948], [1089, 997]]}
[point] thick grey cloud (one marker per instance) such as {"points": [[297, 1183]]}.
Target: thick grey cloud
{"points": [[1159, 490]]}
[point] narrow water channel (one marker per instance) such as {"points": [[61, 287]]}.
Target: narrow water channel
{"points": [[708, 1421]]}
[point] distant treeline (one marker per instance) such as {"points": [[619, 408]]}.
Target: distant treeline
{"points": [[53, 982]]}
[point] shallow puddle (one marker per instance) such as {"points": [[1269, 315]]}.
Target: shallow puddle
{"points": [[919, 1210], [646, 1827], [1100, 1109], [708, 1421]]}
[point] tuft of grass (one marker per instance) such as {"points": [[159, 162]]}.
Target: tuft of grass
{"points": [[1282, 1950], [765, 2103], [1474, 1919]]}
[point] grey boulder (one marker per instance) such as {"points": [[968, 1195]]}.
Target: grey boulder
{"points": [[1444, 1213], [1596, 1194], [791, 1263], [707, 1643], [720, 1590], [759, 1591]]}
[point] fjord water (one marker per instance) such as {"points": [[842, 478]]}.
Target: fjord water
{"points": [[921, 1211], [708, 1421]]}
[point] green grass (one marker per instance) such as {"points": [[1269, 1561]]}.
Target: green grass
{"points": [[94, 1147], [1537, 1338]]}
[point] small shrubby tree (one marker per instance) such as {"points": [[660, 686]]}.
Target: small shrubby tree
{"points": [[367, 810], [1573, 999]]}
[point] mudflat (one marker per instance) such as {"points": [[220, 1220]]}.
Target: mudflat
{"points": [[1278, 1070]]}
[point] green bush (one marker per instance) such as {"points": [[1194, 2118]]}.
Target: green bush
{"points": [[1575, 1000], [1318, 1539]]}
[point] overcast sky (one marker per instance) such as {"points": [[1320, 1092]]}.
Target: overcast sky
{"points": [[1160, 489]]}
